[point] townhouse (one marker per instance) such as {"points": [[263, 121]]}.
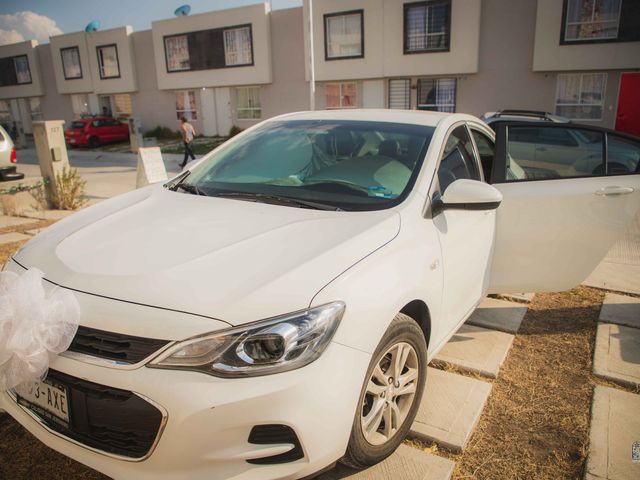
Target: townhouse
{"points": [[577, 58]]}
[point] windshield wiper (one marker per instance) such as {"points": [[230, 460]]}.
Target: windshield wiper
{"points": [[269, 198], [363, 191], [191, 188]]}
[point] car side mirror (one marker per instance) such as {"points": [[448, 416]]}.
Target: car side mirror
{"points": [[465, 194]]}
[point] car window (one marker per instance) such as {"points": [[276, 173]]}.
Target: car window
{"points": [[112, 123], [77, 124], [545, 153], [98, 123], [623, 155], [355, 165], [458, 159], [486, 150]]}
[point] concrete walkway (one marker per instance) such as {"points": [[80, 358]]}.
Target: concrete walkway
{"points": [[406, 463], [499, 315], [615, 427]]}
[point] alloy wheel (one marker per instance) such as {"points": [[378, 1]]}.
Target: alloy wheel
{"points": [[390, 393]]}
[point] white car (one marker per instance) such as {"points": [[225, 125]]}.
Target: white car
{"points": [[8, 158], [272, 310]]}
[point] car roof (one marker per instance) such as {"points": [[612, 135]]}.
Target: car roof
{"points": [[413, 117]]}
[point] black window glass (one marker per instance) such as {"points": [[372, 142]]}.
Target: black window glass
{"points": [[544, 153], [486, 150], [458, 160]]}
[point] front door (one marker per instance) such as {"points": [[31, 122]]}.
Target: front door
{"points": [[628, 117], [466, 236], [560, 212]]}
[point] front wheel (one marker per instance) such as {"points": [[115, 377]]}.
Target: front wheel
{"points": [[94, 142], [391, 394]]}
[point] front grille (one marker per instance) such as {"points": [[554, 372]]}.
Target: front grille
{"points": [[105, 418], [273, 435], [114, 346]]}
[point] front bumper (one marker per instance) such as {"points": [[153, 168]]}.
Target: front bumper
{"points": [[207, 420]]}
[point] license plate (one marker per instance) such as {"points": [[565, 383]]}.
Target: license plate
{"points": [[47, 398]]}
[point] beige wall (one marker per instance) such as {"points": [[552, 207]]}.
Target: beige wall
{"points": [[289, 91], [33, 89], [152, 106], [76, 85], [550, 55], [54, 106], [259, 73], [120, 36], [383, 42], [505, 79]]}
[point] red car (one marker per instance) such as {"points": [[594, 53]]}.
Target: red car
{"points": [[95, 131]]}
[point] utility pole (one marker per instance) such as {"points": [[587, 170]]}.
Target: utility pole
{"points": [[312, 67]]}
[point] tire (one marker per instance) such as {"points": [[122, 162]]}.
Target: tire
{"points": [[94, 142], [8, 177], [366, 449]]}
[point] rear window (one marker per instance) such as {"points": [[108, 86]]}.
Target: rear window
{"points": [[77, 124]]}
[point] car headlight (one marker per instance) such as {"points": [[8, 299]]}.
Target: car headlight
{"points": [[268, 346]]}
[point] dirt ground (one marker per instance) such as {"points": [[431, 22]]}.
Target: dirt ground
{"points": [[535, 424]]}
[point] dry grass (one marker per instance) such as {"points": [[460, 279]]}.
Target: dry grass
{"points": [[536, 422]]}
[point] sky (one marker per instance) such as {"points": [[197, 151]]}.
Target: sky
{"points": [[26, 19]]}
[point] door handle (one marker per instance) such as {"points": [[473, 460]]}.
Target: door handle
{"points": [[614, 191]]}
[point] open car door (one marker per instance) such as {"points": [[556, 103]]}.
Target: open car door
{"points": [[569, 193]]}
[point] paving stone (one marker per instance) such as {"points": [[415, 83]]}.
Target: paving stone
{"points": [[621, 309], [12, 237], [499, 315], [407, 463], [34, 232], [7, 221], [615, 426], [49, 214], [617, 354], [450, 409], [477, 349]]}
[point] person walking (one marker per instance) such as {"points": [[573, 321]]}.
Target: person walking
{"points": [[188, 132]]}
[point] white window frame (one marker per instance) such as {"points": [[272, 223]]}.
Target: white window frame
{"points": [[342, 95], [236, 55], [447, 107], [330, 43], [188, 113], [35, 110], [177, 46], [591, 21], [67, 54], [579, 103], [247, 112], [101, 66]]}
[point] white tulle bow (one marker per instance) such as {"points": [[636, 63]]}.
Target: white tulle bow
{"points": [[35, 326]]}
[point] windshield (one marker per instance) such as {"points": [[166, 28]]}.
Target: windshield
{"points": [[351, 165]]}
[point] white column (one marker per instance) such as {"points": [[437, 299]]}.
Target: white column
{"points": [[209, 120], [223, 110], [312, 66], [94, 104], [373, 94]]}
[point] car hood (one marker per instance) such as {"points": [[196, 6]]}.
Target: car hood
{"points": [[232, 260]]}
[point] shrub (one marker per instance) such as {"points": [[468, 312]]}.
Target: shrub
{"points": [[234, 130], [162, 133], [69, 194]]}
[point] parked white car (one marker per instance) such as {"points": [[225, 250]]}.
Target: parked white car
{"points": [[272, 310], [8, 158]]}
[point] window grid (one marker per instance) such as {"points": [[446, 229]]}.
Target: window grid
{"points": [[581, 103], [108, 64], [400, 94], [426, 26], [71, 66], [341, 95], [177, 50], [237, 46], [186, 104], [438, 95], [586, 20], [248, 103], [344, 36]]}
